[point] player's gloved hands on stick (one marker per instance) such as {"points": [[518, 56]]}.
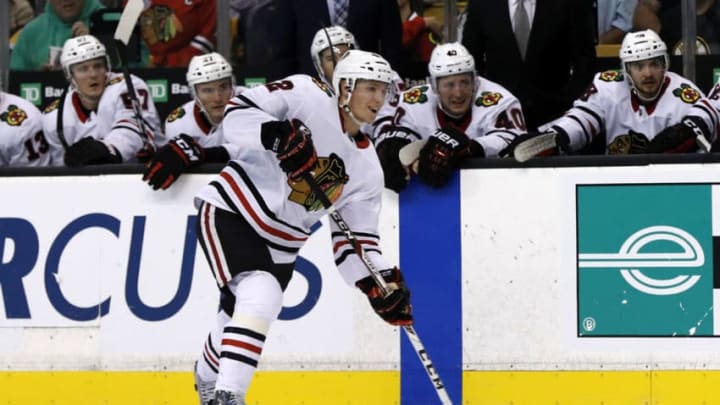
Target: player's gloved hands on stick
{"points": [[90, 151], [394, 309], [682, 137], [442, 153], [172, 160], [292, 143], [396, 176]]}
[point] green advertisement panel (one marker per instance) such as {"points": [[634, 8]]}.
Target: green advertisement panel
{"points": [[645, 260]]}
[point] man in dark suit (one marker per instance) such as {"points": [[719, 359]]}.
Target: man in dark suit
{"points": [[375, 24], [558, 62]]}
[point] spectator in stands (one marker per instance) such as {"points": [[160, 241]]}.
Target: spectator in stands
{"points": [[194, 125], [665, 17], [39, 44], [21, 12], [94, 122], [177, 30], [546, 67], [644, 109], [614, 20], [22, 142], [420, 35], [459, 115], [375, 24]]}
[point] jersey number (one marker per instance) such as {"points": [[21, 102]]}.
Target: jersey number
{"points": [[516, 120], [36, 146], [127, 101], [282, 85]]}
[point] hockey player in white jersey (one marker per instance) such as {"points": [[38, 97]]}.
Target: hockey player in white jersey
{"points": [[22, 142], [194, 125], [459, 115], [643, 109], [94, 123], [258, 212]]}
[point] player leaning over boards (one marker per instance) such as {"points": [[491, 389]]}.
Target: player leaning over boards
{"points": [[22, 142], [256, 214], [96, 123], [193, 128], [460, 115], [644, 109]]}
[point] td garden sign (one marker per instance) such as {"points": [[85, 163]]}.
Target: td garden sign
{"points": [[645, 260]]}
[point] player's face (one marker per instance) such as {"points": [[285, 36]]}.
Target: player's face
{"points": [[367, 99], [214, 96], [89, 78], [67, 9], [456, 93], [326, 59], [647, 76]]}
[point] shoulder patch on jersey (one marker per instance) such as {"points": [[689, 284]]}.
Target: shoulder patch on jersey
{"points": [[176, 114], [14, 116], [488, 99], [687, 93], [52, 106], [114, 80], [416, 95], [323, 86], [330, 175], [611, 76]]}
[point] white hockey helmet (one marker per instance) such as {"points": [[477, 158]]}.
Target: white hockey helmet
{"points": [[208, 68], [81, 49], [324, 39], [361, 65], [642, 45], [450, 59]]}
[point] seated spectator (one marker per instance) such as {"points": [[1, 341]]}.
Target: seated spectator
{"points": [[193, 127], [665, 17], [39, 44], [21, 12], [459, 115], [94, 122], [420, 35], [644, 109], [177, 30], [22, 142], [614, 20]]}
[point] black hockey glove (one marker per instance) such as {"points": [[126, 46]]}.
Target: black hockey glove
{"points": [[679, 138], [394, 309], [172, 160], [90, 151], [396, 176], [292, 143], [442, 153]]}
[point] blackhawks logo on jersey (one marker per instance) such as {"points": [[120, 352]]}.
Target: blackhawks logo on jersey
{"points": [[611, 76], [687, 93], [115, 80], [416, 95], [630, 143], [14, 116], [330, 175], [52, 106], [323, 86], [176, 114], [488, 99]]}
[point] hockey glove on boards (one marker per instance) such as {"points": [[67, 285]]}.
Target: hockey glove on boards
{"points": [[173, 159], [292, 143], [90, 151], [395, 308], [396, 176], [442, 153], [682, 137]]}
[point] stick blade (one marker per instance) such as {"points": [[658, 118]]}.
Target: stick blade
{"points": [[409, 153], [534, 146], [128, 19]]}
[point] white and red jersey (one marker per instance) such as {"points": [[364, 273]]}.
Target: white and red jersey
{"points": [[22, 142], [113, 122], [609, 107], [282, 211], [494, 120], [714, 95]]}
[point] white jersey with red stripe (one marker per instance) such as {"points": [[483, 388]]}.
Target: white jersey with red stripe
{"points": [[113, 122], [22, 142], [190, 120], [495, 117], [609, 106], [282, 211]]}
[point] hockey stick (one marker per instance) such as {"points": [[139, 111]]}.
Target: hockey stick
{"points": [[534, 146], [410, 332], [123, 32]]}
